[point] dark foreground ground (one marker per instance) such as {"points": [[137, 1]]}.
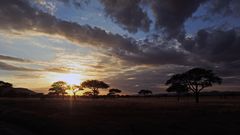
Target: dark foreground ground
{"points": [[128, 116]]}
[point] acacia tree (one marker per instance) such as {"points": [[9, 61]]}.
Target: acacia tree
{"points": [[195, 80], [145, 92], [59, 87], [113, 92], [178, 88], [94, 85], [75, 89]]}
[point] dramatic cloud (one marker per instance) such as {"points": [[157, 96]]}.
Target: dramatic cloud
{"points": [[121, 56], [5, 66], [19, 15], [22, 17], [171, 14], [225, 7], [128, 14], [9, 58], [216, 46]]}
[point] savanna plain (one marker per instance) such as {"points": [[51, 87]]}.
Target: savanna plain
{"points": [[120, 116]]}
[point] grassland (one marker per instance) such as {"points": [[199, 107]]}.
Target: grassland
{"points": [[121, 116]]}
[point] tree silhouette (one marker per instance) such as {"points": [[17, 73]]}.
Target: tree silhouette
{"points": [[4, 85], [145, 92], [195, 80], [94, 85], [178, 88], [59, 87], [113, 92], [75, 89]]}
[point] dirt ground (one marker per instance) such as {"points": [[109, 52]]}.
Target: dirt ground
{"points": [[120, 116]]}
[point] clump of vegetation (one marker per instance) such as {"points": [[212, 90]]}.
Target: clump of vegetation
{"points": [[179, 89], [94, 85], [195, 80], [114, 92], [58, 88], [145, 92]]}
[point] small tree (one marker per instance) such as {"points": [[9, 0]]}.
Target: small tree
{"points": [[178, 88], [94, 85], [145, 92], [195, 80], [75, 89], [113, 92], [59, 87]]}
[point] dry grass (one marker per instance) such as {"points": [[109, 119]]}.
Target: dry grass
{"points": [[122, 116]]}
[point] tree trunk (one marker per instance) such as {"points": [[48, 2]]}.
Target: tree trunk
{"points": [[63, 96], [74, 95], [197, 97]]}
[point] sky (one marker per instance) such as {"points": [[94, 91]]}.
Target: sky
{"points": [[130, 45]]}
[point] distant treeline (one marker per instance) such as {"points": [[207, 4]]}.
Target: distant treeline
{"points": [[7, 90], [189, 83]]}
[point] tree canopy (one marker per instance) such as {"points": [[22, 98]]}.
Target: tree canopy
{"points": [[113, 91], [59, 87], [195, 80], [145, 92], [94, 85], [178, 88]]}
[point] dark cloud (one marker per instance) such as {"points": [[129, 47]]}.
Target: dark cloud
{"points": [[18, 15], [225, 7], [157, 52], [10, 58], [216, 46], [219, 51], [127, 14], [171, 14], [8, 67]]}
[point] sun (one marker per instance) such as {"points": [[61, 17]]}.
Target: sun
{"points": [[71, 79]]}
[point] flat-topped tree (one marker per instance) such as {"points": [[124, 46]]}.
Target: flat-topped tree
{"points": [[145, 92], [113, 92], [196, 80], [59, 87], [94, 85], [178, 88]]}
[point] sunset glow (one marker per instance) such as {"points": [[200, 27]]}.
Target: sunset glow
{"points": [[132, 45], [71, 79]]}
